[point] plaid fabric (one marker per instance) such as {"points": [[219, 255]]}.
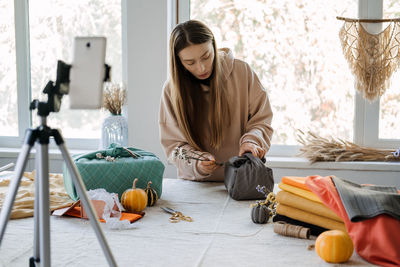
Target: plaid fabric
{"points": [[117, 176]]}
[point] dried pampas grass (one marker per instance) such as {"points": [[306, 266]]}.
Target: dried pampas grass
{"points": [[114, 98], [316, 148]]}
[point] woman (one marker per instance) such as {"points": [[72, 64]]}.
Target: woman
{"points": [[213, 106]]}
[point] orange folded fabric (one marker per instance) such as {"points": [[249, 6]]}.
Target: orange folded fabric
{"points": [[307, 205], [132, 217], [296, 181]]}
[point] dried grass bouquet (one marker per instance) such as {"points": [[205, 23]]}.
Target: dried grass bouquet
{"points": [[114, 97], [316, 148]]}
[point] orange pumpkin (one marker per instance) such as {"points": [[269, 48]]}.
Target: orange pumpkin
{"points": [[134, 199], [334, 246]]}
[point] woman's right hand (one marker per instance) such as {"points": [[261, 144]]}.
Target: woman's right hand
{"points": [[207, 167]]}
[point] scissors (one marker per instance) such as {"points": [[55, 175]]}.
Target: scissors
{"points": [[177, 216]]}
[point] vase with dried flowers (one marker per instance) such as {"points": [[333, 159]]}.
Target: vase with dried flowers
{"points": [[115, 127]]}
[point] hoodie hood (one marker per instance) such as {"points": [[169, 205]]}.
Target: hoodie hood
{"points": [[227, 59]]}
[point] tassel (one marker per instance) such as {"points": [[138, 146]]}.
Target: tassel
{"points": [[372, 58]]}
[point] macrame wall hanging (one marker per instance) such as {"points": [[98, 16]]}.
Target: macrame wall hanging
{"points": [[372, 58]]}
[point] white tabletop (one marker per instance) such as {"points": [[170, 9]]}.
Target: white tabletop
{"points": [[222, 234]]}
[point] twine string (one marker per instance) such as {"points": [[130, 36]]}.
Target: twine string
{"points": [[291, 230]]}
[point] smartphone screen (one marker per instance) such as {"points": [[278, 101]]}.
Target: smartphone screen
{"points": [[87, 73]]}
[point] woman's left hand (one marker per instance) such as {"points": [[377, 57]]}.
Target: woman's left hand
{"points": [[256, 150]]}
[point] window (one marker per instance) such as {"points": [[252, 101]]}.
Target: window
{"points": [[8, 72], [53, 24], [294, 48], [389, 112], [51, 28]]}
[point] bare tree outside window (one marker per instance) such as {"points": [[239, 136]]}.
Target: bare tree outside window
{"points": [[293, 46], [295, 49], [8, 72], [53, 26], [389, 113]]}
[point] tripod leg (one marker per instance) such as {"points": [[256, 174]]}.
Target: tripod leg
{"points": [[42, 155], [81, 188], [36, 235], [22, 160]]}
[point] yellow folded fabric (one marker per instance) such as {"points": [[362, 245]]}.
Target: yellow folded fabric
{"points": [[24, 200], [300, 192], [307, 205], [308, 217]]}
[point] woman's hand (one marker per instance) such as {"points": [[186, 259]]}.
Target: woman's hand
{"points": [[207, 167], [256, 150]]}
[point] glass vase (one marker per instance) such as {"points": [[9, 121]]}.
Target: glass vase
{"points": [[114, 130]]}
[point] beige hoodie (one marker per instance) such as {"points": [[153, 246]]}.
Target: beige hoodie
{"points": [[250, 113]]}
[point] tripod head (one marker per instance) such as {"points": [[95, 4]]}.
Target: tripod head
{"points": [[55, 91]]}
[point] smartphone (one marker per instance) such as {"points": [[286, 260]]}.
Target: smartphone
{"points": [[87, 73]]}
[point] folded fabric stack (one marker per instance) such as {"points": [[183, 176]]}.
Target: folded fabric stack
{"points": [[299, 206], [371, 214]]}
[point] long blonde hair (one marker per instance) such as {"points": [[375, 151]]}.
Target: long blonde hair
{"points": [[186, 94]]}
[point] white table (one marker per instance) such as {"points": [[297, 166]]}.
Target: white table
{"points": [[222, 234]]}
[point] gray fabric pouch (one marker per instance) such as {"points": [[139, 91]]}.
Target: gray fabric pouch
{"points": [[244, 173]]}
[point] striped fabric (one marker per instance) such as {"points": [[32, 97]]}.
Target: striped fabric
{"points": [[363, 202]]}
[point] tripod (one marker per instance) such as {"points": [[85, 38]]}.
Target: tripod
{"points": [[41, 137]]}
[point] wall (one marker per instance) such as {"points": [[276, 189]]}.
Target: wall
{"points": [[145, 70]]}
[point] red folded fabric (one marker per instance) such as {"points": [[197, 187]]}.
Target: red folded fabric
{"points": [[377, 240]]}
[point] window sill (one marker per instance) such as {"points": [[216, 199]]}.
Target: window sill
{"points": [[272, 162], [53, 153], [303, 163], [382, 173]]}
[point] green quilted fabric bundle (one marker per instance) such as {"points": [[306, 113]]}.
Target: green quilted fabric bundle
{"points": [[118, 175]]}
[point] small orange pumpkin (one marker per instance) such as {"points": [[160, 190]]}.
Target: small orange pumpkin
{"points": [[134, 199], [334, 246]]}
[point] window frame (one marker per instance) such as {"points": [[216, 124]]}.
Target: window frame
{"points": [[366, 130], [366, 114], [21, 24]]}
